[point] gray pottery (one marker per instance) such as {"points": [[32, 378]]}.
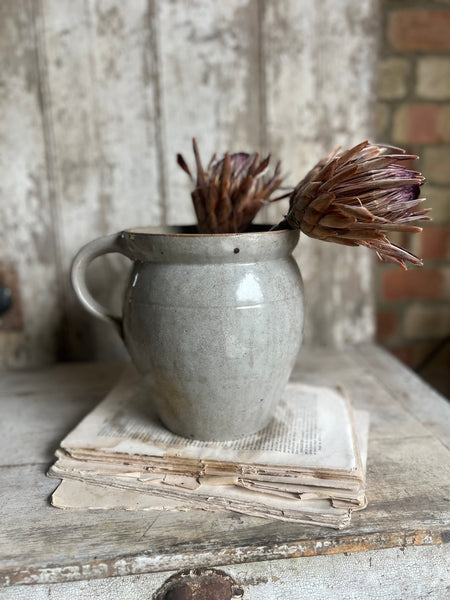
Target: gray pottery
{"points": [[213, 322]]}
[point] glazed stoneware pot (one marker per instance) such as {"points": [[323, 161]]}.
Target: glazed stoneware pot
{"points": [[213, 322]]}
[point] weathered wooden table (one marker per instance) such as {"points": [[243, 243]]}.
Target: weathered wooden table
{"points": [[396, 548]]}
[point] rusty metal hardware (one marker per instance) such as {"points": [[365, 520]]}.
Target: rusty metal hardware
{"points": [[199, 584]]}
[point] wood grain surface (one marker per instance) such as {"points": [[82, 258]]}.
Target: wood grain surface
{"points": [[408, 482]]}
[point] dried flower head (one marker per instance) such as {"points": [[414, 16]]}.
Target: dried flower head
{"points": [[231, 191], [355, 197]]}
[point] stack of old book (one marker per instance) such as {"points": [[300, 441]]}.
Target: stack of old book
{"points": [[307, 465]]}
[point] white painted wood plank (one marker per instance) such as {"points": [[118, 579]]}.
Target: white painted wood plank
{"points": [[408, 490], [210, 86], [319, 70], [54, 411], [390, 574], [388, 420], [411, 392], [60, 377], [27, 243], [100, 70]]}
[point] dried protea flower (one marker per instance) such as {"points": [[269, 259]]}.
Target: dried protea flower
{"points": [[355, 197], [231, 191]]}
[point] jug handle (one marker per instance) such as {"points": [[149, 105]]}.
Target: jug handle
{"points": [[95, 248]]}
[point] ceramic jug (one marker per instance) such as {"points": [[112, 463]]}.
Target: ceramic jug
{"points": [[213, 322]]}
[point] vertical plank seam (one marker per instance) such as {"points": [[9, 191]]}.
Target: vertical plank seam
{"points": [[160, 137], [376, 17], [44, 94], [262, 82], [99, 158], [262, 137]]}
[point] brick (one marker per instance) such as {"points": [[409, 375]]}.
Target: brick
{"points": [[426, 322], [424, 123], [438, 199], [417, 124], [400, 125], [419, 284], [435, 164], [393, 76], [435, 243], [387, 325], [433, 78], [444, 122], [382, 113], [419, 30]]}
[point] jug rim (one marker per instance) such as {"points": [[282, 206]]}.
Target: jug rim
{"points": [[190, 231], [176, 244]]}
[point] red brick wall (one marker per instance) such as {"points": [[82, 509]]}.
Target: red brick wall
{"points": [[414, 112]]}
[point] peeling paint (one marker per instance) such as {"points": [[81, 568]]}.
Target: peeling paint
{"points": [[133, 565]]}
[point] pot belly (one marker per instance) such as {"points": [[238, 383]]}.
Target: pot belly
{"points": [[215, 372]]}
